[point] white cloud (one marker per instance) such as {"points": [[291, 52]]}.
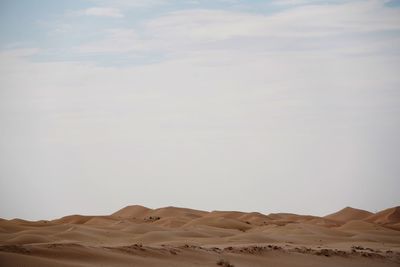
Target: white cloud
{"points": [[296, 2], [16, 53], [191, 30], [131, 3], [117, 41], [241, 95], [102, 12], [63, 28], [207, 117]]}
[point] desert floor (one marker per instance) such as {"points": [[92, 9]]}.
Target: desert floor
{"points": [[139, 236]]}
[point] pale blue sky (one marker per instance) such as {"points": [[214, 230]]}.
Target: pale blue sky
{"points": [[59, 28], [271, 106]]}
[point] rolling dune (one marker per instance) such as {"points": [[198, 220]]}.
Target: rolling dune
{"points": [[348, 214], [172, 236]]}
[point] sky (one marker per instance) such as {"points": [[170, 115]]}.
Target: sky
{"points": [[269, 106]]}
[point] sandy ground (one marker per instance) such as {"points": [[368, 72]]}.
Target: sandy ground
{"points": [[138, 236]]}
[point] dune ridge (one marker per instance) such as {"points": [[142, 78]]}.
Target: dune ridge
{"points": [[387, 216], [187, 237], [348, 214]]}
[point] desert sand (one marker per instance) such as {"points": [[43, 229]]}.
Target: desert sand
{"points": [[171, 236]]}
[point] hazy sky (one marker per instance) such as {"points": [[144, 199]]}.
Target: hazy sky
{"points": [[270, 106]]}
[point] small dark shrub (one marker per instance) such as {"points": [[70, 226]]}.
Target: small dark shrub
{"points": [[224, 263]]}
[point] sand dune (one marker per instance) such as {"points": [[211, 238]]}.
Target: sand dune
{"points": [[220, 222], [359, 225], [76, 219], [172, 222], [134, 211], [391, 215], [172, 236], [348, 214], [176, 212]]}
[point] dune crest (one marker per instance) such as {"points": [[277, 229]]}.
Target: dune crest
{"points": [[348, 214], [132, 211], [174, 236], [391, 215]]}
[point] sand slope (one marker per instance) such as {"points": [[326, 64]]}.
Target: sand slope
{"points": [[134, 211], [348, 214], [172, 236], [391, 215]]}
